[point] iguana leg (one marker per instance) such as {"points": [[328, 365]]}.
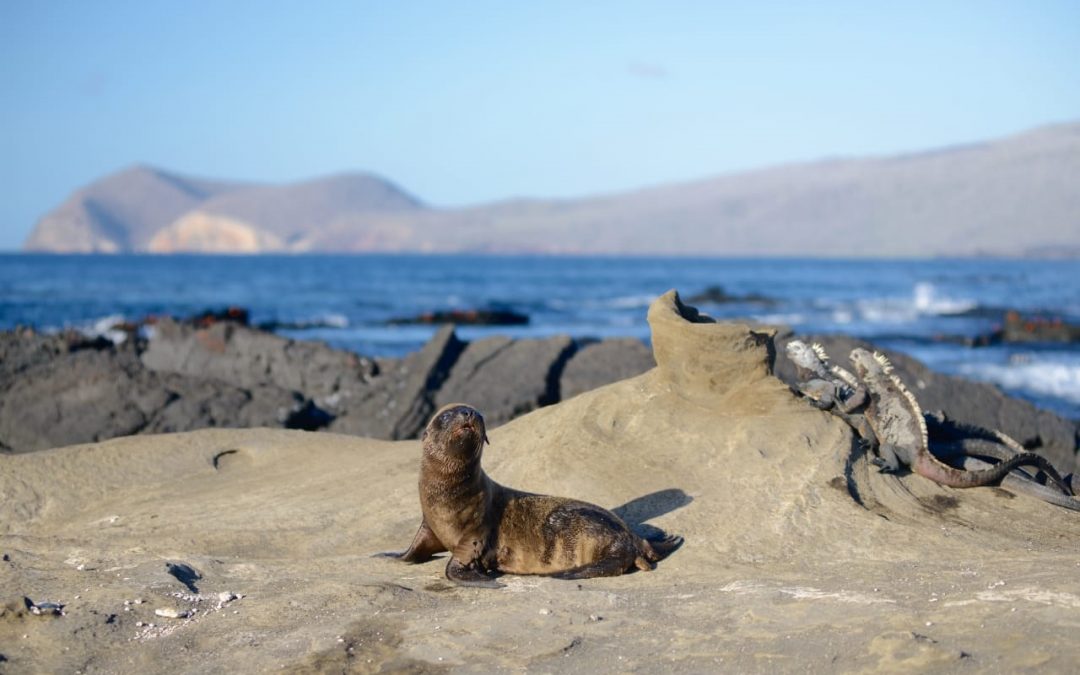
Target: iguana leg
{"points": [[857, 399], [819, 393], [424, 545], [861, 427], [469, 575], [887, 459]]}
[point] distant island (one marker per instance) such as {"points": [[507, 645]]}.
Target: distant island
{"points": [[1017, 196]]}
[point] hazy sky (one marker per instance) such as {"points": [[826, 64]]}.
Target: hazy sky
{"points": [[469, 102]]}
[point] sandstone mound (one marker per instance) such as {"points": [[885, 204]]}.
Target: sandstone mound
{"points": [[798, 556]]}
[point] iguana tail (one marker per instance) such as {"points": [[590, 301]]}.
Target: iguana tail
{"points": [[928, 466], [1028, 487]]}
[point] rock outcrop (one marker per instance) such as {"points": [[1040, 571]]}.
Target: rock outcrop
{"points": [[216, 372], [597, 363]]}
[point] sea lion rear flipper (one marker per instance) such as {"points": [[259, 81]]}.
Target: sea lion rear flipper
{"points": [[424, 545], [662, 548], [467, 575]]}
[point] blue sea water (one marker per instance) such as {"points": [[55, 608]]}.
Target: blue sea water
{"points": [[346, 300]]}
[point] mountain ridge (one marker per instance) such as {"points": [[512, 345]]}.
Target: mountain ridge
{"points": [[1011, 196]]}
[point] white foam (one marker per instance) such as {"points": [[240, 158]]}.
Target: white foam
{"points": [[332, 320], [631, 301], [886, 310], [927, 300], [621, 302], [105, 327], [781, 318], [1030, 374]]}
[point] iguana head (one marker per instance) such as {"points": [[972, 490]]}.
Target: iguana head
{"points": [[869, 365], [803, 355]]}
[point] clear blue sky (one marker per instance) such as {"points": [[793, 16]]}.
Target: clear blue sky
{"points": [[469, 102]]}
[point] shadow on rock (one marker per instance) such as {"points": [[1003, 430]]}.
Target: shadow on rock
{"points": [[653, 505]]}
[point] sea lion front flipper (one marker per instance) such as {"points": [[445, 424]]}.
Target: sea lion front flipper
{"points": [[468, 575], [424, 545]]}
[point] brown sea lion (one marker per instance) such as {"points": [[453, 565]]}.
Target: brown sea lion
{"points": [[488, 528]]}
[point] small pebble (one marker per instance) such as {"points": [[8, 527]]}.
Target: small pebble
{"points": [[594, 617], [139, 624], [545, 611], [172, 613], [929, 623], [225, 596]]}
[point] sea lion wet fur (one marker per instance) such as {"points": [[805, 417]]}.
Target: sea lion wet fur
{"points": [[489, 528]]}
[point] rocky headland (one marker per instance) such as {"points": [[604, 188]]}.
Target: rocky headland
{"points": [[1018, 193], [248, 550]]}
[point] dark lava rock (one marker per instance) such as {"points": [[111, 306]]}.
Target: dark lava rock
{"points": [[963, 400], [398, 403], [1020, 328], [602, 362], [78, 397], [24, 348], [247, 357], [504, 378], [466, 317], [716, 295], [209, 317], [93, 395], [199, 403]]}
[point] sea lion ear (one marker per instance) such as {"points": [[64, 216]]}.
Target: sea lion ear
{"points": [[486, 439], [423, 436]]}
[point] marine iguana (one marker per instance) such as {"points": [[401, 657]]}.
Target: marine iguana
{"points": [[897, 420], [825, 384], [830, 387]]}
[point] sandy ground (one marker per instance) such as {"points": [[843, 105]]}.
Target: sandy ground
{"points": [[799, 556]]}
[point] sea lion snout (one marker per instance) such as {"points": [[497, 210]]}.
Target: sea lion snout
{"points": [[458, 420]]}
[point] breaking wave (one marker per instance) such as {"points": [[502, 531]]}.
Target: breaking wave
{"points": [[1032, 375]]}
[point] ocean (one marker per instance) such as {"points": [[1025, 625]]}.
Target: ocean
{"points": [[925, 308]]}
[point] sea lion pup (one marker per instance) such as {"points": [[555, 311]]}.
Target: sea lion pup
{"points": [[489, 528]]}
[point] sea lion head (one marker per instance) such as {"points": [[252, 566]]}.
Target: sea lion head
{"points": [[456, 431]]}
